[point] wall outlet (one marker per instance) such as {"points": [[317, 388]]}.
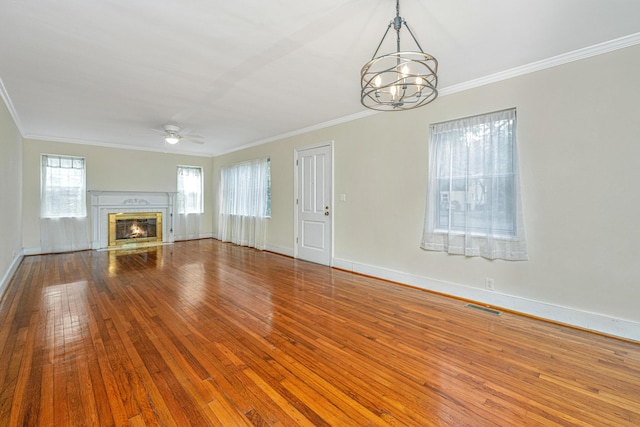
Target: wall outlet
{"points": [[489, 284]]}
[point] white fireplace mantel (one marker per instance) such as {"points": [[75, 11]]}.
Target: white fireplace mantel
{"points": [[105, 202]]}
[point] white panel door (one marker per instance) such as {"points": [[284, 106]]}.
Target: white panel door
{"points": [[314, 204]]}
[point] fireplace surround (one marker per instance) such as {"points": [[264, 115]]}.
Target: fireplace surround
{"points": [[142, 204]]}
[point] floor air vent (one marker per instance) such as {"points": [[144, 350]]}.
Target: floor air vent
{"points": [[485, 309]]}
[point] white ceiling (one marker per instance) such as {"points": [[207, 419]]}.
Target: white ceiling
{"points": [[242, 72]]}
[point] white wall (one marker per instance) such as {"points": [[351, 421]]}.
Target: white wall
{"points": [[578, 133], [109, 169], [10, 196]]}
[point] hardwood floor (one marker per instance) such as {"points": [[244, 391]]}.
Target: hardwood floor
{"points": [[204, 333]]}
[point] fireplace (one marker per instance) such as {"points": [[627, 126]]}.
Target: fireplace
{"points": [[126, 228], [105, 203]]}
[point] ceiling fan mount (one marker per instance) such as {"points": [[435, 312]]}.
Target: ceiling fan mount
{"points": [[172, 129]]}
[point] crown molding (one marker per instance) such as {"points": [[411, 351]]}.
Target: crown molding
{"points": [[576, 55], [110, 145], [14, 114], [554, 61], [323, 125]]}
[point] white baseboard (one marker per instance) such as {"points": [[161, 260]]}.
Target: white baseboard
{"points": [[4, 284], [38, 251], [32, 251], [193, 237], [566, 315], [280, 250], [271, 248]]}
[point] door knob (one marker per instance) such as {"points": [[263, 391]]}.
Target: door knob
{"points": [[326, 213]]}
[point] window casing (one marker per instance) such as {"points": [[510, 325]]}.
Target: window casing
{"points": [[190, 189], [63, 187], [473, 196]]}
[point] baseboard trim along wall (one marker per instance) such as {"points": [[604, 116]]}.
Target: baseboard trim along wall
{"points": [[191, 237], [280, 250], [569, 316], [4, 284]]}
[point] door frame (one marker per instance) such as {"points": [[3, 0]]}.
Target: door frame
{"points": [[296, 155]]}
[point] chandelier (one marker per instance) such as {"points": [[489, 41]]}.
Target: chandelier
{"points": [[401, 80]]}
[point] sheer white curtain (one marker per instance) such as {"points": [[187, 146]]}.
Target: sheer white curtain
{"points": [[189, 202], [63, 208], [474, 206], [243, 205]]}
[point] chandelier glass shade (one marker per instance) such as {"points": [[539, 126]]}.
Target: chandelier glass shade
{"points": [[401, 80]]}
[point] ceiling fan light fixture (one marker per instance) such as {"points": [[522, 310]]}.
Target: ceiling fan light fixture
{"points": [[172, 132], [401, 80], [172, 139]]}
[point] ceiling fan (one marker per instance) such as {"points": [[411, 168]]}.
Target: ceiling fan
{"points": [[172, 135]]}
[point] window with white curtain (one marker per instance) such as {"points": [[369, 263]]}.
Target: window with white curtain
{"points": [[189, 200], [473, 199], [63, 187], [245, 203], [63, 207]]}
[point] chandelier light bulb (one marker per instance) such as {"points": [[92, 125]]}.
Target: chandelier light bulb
{"points": [[378, 81]]}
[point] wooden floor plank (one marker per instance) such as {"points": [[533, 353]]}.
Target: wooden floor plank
{"points": [[211, 334]]}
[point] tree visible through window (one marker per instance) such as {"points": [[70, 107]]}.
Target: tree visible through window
{"points": [[473, 201]]}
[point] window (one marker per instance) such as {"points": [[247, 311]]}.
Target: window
{"points": [[63, 187], [245, 203], [246, 188], [268, 187], [473, 200], [189, 190]]}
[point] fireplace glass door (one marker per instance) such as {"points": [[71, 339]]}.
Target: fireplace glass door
{"points": [[134, 228]]}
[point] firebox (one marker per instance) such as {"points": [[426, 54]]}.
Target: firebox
{"points": [[135, 227]]}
